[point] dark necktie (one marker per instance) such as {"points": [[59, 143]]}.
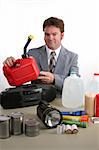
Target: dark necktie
{"points": [[52, 62]]}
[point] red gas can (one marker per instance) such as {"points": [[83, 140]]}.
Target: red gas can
{"points": [[23, 71], [97, 105]]}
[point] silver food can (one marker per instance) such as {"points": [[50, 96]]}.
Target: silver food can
{"points": [[17, 123], [32, 127], [5, 127]]}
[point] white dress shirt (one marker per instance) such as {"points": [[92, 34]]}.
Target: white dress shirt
{"points": [[57, 51]]}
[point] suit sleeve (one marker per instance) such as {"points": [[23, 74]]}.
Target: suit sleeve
{"points": [[59, 78]]}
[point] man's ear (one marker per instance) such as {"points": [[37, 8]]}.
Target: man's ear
{"points": [[62, 35]]}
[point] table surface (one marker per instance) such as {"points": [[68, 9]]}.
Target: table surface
{"points": [[48, 139]]}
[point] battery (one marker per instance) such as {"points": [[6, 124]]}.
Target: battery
{"points": [[74, 129], [68, 129], [17, 123], [59, 129], [5, 127], [32, 127]]}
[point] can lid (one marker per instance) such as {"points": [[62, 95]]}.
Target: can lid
{"points": [[16, 114], [32, 122], [3, 118]]}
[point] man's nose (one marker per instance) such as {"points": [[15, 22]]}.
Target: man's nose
{"points": [[51, 37]]}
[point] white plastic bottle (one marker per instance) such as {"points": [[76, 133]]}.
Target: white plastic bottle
{"points": [[73, 91], [93, 84]]}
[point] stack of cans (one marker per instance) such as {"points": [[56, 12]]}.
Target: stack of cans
{"points": [[14, 125]]}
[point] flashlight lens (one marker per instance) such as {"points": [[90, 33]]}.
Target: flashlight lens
{"points": [[53, 118]]}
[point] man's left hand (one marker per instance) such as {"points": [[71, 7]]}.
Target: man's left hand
{"points": [[46, 77]]}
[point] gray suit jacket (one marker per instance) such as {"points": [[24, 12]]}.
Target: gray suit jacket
{"points": [[67, 62]]}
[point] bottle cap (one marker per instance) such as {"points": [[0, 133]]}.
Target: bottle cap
{"points": [[96, 74], [84, 118], [31, 37], [72, 72]]}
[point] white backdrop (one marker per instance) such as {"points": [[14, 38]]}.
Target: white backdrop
{"points": [[20, 18]]}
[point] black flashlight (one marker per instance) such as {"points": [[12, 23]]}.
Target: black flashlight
{"points": [[50, 116]]}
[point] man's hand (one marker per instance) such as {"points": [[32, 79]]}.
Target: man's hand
{"points": [[46, 77], [9, 61]]}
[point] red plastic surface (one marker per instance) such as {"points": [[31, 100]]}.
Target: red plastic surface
{"points": [[97, 105], [23, 71]]}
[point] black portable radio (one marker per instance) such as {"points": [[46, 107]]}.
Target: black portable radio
{"points": [[27, 95]]}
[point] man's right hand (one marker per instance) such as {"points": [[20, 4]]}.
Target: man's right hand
{"points": [[9, 61]]}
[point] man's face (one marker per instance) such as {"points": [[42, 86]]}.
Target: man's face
{"points": [[53, 37]]}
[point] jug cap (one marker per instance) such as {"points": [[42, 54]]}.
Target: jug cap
{"points": [[96, 74], [72, 72]]}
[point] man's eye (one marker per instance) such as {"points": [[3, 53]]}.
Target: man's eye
{"points": [[47, 34], [54, 34]]}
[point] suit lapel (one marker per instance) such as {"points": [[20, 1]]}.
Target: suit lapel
{"points": [[60, 63], [44, 59], [61, 60]]}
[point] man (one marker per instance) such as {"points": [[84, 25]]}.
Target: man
{"points": [[64, 60]]}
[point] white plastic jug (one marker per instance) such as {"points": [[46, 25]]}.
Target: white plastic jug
{"points": [[73, 91], [93, 84]]}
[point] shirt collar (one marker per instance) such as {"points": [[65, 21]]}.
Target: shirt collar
{"points": [[57, 51]]}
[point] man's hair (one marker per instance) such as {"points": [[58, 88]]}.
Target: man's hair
{"points": [[53, 21]]}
